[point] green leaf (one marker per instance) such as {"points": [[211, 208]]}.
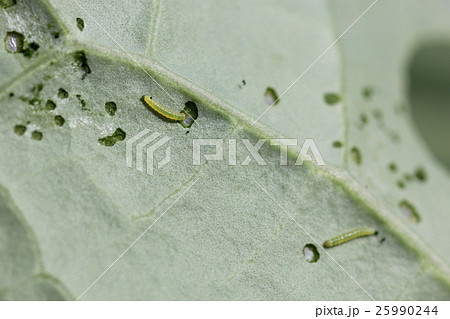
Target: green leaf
{"points": [[70, 206]]}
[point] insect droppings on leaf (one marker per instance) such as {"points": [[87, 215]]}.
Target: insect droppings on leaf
{"points": [[14, 42], [332, 98], [191, 111], [81, 61]]}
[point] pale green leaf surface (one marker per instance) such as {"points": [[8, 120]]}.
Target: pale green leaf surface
{"points": [[71, 206]]}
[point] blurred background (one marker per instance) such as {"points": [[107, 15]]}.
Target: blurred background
{"points": [[429, 94]]}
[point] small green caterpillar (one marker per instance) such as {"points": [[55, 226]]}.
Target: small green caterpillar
{"points": [[164, 111], [355, 233]]}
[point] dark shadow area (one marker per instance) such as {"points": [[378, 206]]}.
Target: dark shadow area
{"points": [[429, 94]]}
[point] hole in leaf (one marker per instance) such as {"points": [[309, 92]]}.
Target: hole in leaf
{"points": [[14, 42], [30, 49], [191, 110], [63, 94], [36, 135], [271, 96], [110, 108], [59, 120], [118, 135], [50, 105], [80, 24], [311, 254], [409, 211], [20, 129]]}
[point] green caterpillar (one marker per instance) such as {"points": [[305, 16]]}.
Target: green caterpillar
{"points": [[164, 111], [345, 237]]}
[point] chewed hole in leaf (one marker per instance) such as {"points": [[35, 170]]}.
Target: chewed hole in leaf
{"points": [[14, 42], [191, 110], [59, 120], [111, 108], [409, 211], [63, 94], [81, 61], [311, 254], [271, 96], [36, 135], [30, 49], [80, 24], [118, 135], [20, 129], [50, 105]]}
